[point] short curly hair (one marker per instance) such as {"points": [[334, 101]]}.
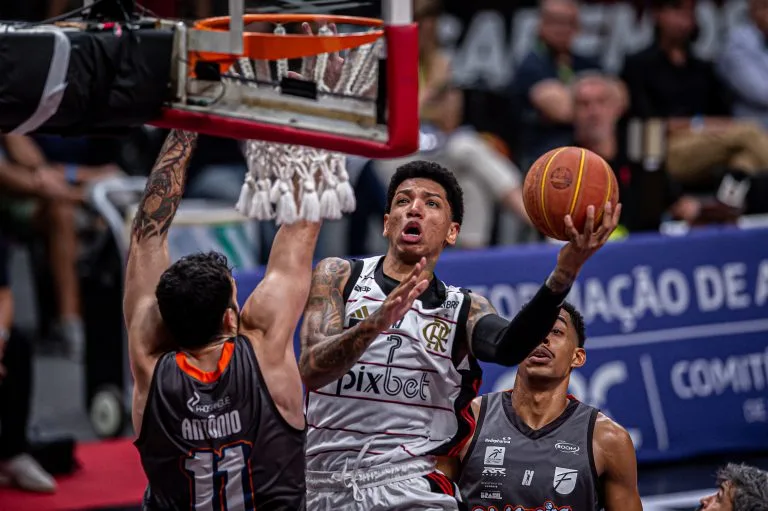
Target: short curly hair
{"points": [[577, 320], [750, 486], [193, 294], [434, 172]]}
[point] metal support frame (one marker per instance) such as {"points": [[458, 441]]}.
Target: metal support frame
{"points": [[227, 42], [396, 13]]}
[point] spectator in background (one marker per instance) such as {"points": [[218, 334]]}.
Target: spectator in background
{"points": [[743, 64], [599, 101], [435, 88], [37, 197], [539, 89], [17, 468], [740, 488], [667, 81]]}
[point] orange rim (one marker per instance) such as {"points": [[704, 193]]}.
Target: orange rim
{"points": [[268, 46]]}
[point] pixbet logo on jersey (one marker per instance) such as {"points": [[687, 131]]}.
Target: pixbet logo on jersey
{"points": [[379, 381]]}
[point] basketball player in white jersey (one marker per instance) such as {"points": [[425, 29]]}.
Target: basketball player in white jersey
{"points": [[389, 352], [217, 398], [537, 447]]}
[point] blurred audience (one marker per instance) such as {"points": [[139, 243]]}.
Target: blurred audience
{"points": [[439, 101], [668, 81], [17, 467], [539, 90], [217, 170], [740, 488], [743, 64], [599, 101], [40, 198]]}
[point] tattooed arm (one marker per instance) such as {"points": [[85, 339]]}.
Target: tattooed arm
{"points": [[327, 350], [148, 253]]}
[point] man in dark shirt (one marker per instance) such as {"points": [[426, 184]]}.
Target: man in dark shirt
{"points": [[540, 95], [598, 103], [667, 81]]}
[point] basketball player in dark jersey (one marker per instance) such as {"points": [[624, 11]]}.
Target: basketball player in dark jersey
{"points": [[538, 448], [217, 398], [389, 353]]}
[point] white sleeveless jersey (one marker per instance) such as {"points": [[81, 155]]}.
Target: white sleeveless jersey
{"points": [[410, 392]]}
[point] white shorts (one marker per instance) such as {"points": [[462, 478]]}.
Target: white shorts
{"points": [[397, 487]]}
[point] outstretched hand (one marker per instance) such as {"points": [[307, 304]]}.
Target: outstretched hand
{"points": [[583, 244], [333, 68], [400, 300]]}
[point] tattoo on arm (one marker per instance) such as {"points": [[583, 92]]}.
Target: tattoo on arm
{"points": [[560, 280], [328, 351], [165, 186], [478, 309]]}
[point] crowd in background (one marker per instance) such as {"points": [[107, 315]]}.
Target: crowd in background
{"points": [[686, 137]]}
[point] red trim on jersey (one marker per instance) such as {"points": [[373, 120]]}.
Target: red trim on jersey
{"points": [[442, 482], [204, 376], [471, 420]]}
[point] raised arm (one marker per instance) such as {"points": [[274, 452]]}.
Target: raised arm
{"points": [[328, 351], [276, 304], [148, 253], [616, 462], [494, 339]]}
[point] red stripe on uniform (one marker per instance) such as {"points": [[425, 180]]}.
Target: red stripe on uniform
{"points": [[467, 415], [440, 482]]}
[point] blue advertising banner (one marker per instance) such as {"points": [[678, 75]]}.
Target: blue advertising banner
{"points": [[677, 348]]}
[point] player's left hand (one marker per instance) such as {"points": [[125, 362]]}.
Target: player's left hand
{"points": [[583, 244], [335, 61]]}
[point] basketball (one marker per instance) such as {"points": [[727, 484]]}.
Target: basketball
{"points": [[565, 181]]}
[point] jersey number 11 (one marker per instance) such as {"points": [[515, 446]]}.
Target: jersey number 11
{"points": [[223, 475]]}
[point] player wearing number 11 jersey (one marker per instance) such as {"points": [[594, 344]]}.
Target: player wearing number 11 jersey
{"points": [[217, 401]]}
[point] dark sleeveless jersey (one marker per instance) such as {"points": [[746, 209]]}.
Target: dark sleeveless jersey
{"points": [[510, 467], [212, 441]]}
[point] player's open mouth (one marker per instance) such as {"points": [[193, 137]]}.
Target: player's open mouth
{"points": [[540, 355], [411, 233]]}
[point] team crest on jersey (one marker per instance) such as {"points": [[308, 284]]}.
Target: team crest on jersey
{"points": [[564, 480], [436, 335]]}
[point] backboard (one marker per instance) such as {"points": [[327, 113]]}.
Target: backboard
{"points": [[242, 76]]}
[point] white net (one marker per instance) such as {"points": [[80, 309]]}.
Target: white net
{"points": [[274, 170]]}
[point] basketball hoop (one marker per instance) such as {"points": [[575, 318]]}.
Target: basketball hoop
{"points": [[382, 123], [280, 45]]}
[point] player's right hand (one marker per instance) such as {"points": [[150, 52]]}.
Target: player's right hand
{"points": [[401, 298]]}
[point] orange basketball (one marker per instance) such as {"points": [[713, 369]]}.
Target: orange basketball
{"points": [[565, 181]]}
